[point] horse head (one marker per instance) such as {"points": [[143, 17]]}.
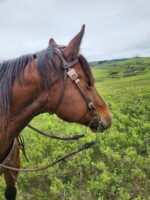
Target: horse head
{"points": [[76, 99]]}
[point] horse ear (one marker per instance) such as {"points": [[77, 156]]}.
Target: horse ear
{"points": [[52, 43], [73, 47]]}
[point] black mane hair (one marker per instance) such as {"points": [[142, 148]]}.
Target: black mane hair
{"points": [[9, 70]]}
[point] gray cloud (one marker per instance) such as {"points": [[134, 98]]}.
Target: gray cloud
{"points": [[114, 28]]}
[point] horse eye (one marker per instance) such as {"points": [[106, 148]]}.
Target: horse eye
{"points": [[88, 86]]}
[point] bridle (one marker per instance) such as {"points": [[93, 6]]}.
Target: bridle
{"points": [[70, 72]]}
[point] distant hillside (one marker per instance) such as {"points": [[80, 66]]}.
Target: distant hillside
{"points": [[130, 60], [126, 70]]}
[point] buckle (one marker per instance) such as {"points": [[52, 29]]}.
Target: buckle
{"points": [[91, 106], [73, 75]]}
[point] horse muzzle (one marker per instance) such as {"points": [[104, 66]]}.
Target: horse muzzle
{"points": [[98, 125]]}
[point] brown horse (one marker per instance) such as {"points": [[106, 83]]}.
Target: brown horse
{"points": [[33, 84]]}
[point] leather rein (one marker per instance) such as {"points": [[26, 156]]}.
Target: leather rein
{"points": [[71, 73]]}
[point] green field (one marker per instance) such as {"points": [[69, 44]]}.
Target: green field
{"points": [[118, 166]]}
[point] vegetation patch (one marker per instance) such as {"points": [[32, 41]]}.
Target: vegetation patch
{"points": [[117, 167]]}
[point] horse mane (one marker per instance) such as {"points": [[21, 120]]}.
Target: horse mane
{"points": [[12, 69], [9, 70]]}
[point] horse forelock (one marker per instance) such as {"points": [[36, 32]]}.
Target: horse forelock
{"points": [[87, 70]]}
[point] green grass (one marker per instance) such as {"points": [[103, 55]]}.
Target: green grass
{"points": [[117, 167]]}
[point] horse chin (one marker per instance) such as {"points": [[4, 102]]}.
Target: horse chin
{"points": [[97, 127], [94, 130]]}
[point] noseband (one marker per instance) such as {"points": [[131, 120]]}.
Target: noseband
{"points": [[70, 72]]}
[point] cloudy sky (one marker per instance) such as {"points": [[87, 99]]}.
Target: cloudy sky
{"points": [[114, 28]]}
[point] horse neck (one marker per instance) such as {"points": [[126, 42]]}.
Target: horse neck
{"points": [[28, 100]]}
